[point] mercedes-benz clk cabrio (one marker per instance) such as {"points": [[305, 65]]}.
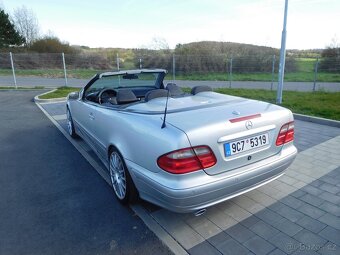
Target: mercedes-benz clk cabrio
{"points": [[183, 151]]}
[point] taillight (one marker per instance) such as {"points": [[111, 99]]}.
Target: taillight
{"points": [[187, 160], [286, 134]]}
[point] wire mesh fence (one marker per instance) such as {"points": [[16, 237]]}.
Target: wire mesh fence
{"points": [[227, 69]]}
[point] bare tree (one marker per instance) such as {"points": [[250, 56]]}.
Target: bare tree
{"points": [[158, 43], [26, 24]]}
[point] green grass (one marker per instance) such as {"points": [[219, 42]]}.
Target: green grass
{"points": [[60, 92], [289, 77], [225, 77], [320, 104]]}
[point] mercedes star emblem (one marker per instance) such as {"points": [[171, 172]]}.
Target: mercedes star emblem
{"points": [[249, 124]]}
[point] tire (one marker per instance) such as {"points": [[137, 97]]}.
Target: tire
{"points": [[70, 125], [121, 180]]}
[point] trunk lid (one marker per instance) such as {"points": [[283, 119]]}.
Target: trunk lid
{"points": [[220, 125]]}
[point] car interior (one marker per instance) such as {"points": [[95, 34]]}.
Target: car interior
{"points": [[125, 96]]}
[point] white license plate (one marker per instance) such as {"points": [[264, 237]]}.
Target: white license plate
{"points": [[245, 144]]}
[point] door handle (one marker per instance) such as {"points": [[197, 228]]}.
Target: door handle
{"points": [[91, 116]]}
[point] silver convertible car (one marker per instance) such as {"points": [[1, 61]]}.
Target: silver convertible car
{"points": [[179, 150]]}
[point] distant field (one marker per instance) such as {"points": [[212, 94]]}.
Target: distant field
{"points": [[320, 104], [305, 74], [306, 65]]}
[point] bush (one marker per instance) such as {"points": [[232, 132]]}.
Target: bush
{"points": [[88, 61], [52, 45]]}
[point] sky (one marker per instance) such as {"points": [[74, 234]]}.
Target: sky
{"points": [[134, 23]]}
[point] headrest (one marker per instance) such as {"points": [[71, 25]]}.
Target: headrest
{"points": [[126, 96], [156, 93], [199, 89], [174, 89]]}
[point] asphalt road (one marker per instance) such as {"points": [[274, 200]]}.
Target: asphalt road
{"points": [[58, 82], [51, 200]]}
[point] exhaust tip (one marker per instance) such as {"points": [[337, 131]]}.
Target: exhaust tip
{"points": [[200, 212]]}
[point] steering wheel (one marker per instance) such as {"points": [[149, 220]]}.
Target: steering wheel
{"points": [[105, 94]]}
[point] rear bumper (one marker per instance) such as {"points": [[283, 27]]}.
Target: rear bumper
{"points": [[191, 192]]}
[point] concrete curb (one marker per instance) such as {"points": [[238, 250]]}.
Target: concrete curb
{"points": [[52, 100], [21, 89], [318, 120]]}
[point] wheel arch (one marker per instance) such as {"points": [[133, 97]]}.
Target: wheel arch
{"points": [[121, 145], [110, 148], [68, 107], [133, 189]]}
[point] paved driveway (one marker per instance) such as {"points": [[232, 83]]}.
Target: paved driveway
{"points": [[51, 199], [296, 214]]}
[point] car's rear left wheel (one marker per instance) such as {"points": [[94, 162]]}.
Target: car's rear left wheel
{"points": [[121, 180]]}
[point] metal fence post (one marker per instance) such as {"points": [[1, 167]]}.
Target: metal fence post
{"points": [[230, 72], [140, 64], [117, 59], [13, 71], [64, 65], [227, 72], [173, 67], [315, 73], [282, 57], [273, 72]]}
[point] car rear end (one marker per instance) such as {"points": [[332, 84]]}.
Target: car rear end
{"points": [[234, 145], [234, 148]]}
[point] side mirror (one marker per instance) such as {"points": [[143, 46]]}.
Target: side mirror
{"points": [[73, 95]]}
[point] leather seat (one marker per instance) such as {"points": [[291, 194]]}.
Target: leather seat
{"points": [[126, 97]]}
